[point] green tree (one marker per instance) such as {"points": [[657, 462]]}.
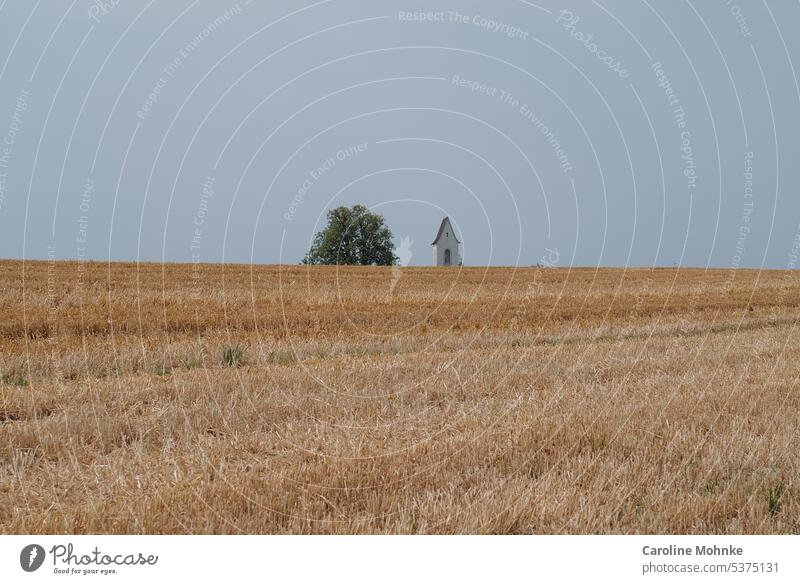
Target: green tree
{"points": [[353, 237]]}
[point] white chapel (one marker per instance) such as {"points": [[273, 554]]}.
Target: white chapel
{"points": [[446, 246]]}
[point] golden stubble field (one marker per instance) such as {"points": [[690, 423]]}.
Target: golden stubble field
{"points": [[236, 399]]}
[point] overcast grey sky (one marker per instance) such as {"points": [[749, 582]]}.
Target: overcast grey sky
{"points": [[635, 132]]}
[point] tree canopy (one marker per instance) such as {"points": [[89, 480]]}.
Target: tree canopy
{"points": [[354, 236]]}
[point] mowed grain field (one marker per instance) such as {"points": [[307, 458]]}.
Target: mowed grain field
{"points": [[236, 399]]}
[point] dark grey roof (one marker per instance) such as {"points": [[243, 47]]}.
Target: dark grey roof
{"points": [[445, 221]]}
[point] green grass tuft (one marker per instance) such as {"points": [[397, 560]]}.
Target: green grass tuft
{"points": [[163, 371], [190, 363], [774, 497], [14, 379], [234, 356]]}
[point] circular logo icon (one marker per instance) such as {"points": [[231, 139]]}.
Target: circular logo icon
{"points": [[31, 557]]}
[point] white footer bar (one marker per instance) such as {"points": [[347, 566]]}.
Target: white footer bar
{"points": [[151, 559]]}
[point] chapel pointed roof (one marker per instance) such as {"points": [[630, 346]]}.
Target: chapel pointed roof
{"points": [[445, 223]]}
